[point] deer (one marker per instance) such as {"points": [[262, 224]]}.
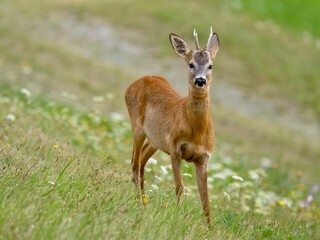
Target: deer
{"points": [[182, 127]]}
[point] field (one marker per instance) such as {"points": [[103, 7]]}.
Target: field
{"points": [[65, 137]]}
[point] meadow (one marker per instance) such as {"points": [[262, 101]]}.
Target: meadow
{"points": [[65, 137]]}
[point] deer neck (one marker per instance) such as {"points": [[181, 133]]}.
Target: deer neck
{"points": [[198, 105]]}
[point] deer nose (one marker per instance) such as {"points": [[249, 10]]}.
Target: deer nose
{"points": [[200, 82]]}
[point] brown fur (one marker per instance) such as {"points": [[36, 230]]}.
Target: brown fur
{"points": [[180, 126]]}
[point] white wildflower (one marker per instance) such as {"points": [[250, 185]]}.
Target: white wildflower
{"points": [[10, 117], [266, 163], [163, 170], [257, 174], [254, 175], [25, 92], [128, 161], [187, 174], [216, 166], [168, 166], [237, 178], [148, 169], [153, 161], [115, 116], [306, 203], [310, 198], [98, 99], [226, 195], [52, 183], [109, 96], [158, 178], [154, 187], [224, 174]]}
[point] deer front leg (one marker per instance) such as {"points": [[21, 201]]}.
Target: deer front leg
{"points": [[202, 181], [176, 168]]}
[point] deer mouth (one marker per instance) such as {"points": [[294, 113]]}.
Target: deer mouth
{"points": [[200, 85]]}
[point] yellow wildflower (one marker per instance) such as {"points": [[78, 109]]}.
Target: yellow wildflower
{"points": [[145, 201], [55, 146], [281, 203], [309, 215]]}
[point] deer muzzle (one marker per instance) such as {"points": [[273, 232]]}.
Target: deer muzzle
{"points": [[200, 82]]}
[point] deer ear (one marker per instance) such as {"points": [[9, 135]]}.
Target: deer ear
{"points": [[213, 44], [179, 45]]}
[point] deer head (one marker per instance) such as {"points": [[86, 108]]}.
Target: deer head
{"points": [[199, 61]]}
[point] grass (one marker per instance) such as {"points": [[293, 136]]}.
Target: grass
{"points": [[288, 13], [65, 140], [78, 185]]}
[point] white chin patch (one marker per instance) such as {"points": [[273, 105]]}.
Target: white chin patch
{"points": [[200, 85]]}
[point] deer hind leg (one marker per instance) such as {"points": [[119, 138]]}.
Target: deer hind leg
{"points": [[147, 151], [202, 182], [138, 139], [176, 168]]}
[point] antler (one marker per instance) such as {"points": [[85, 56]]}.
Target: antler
{"points": [[195, 34], [210, 36]]}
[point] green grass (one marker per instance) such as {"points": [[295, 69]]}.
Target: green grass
{"points": [[65, 150], [78, 184], [298, 16]]}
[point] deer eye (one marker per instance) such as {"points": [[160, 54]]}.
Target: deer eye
{"points": [[210, 67], [191, 65]]}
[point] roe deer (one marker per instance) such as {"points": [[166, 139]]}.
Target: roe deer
{"points": [[180, 126]]}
